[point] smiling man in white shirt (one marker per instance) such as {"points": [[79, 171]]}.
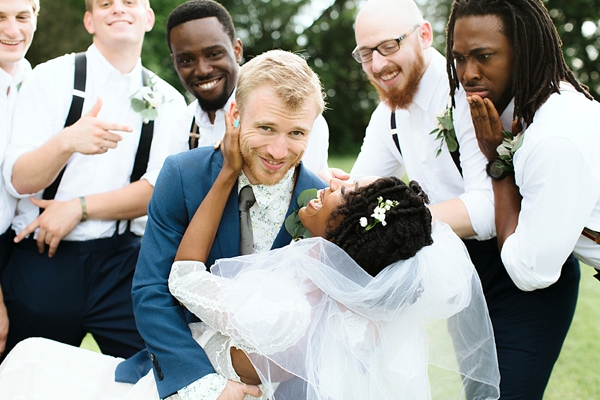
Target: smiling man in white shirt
{"points": [[206, 55], [71, 267], [18, 20]]}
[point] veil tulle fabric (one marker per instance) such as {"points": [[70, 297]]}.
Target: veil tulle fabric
{"points": [[309, 317]]}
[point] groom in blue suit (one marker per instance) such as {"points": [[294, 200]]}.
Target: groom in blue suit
{"points": [[277, 100]]}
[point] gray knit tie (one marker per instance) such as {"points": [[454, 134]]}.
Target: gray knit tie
{"points": [[245, 201]]}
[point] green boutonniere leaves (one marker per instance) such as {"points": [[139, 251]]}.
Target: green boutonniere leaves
{"points": [[445, 132], [146, 101], [292, 222], [509, 146]]}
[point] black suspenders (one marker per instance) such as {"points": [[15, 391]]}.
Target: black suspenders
{"points": [[194, 135], [143, 152], [455, 154]]}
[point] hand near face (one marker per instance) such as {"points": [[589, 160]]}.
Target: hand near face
{"points": [[230, 146], [487, 124], [327, 174]]}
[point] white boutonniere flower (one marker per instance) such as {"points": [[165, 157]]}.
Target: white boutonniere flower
{"points": [[509, 146], [147, 100]]}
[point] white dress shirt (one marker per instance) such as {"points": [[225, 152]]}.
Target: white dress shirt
{"points": [[9, 85], [438, 175], [557, 170], [315, 157], [41, 111]]}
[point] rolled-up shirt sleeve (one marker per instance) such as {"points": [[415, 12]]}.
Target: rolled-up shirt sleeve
{"points": [[559, 192]]}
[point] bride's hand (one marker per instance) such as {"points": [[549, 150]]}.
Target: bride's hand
{"points": [[230, 146], [237, 391]]}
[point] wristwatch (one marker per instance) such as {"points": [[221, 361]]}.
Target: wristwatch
{"points": [[498, 169]]}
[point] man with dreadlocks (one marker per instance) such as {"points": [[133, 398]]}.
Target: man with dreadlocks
{"points": [[507, 56], [394, 48]]}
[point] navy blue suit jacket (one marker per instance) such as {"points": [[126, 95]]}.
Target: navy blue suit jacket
{"points": [[184, 181]]}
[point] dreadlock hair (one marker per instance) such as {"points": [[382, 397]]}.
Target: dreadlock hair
{"points": [[408, 227], [539, 64], [199, 9]]}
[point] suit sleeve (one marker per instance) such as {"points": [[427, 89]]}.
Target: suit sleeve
{"points": [[178, 360]]}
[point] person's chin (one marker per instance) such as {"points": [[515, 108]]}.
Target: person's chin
{"points": [[267, 177]]}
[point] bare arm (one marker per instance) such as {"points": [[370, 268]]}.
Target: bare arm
{"points": [[507, 205], [507, 199], [200, 234], [454, 213], [61, 217], [198, 240]]}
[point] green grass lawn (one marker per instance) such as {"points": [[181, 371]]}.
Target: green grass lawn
{"points": [[574, 375]]}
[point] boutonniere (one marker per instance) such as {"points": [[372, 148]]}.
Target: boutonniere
{"points": [[292, 223], [509, 146], [146, 101], [445, 131]]}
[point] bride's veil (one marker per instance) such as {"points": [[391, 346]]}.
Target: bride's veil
{"points": [[418, 330]]}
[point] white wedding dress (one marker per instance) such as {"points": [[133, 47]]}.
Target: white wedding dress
{"points": [[310, 318]]}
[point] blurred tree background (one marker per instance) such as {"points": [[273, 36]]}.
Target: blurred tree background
{"points": [[321, 30]]}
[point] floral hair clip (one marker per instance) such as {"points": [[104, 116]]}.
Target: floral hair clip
{"points": [[378, 213]]}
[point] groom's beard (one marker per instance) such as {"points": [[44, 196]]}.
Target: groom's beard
{"points": [[402, 95]]}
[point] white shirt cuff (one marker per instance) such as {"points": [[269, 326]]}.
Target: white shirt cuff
{"points": [[209, 387]]}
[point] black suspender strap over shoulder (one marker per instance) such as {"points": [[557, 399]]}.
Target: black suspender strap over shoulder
{"points": [[140, 166], [455, 154], [194, 140], [73, 116], [78, 89], [143, 152], [395, 132], [456, 158]]}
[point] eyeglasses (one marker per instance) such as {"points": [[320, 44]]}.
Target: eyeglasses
{"points": [[385, 49]]}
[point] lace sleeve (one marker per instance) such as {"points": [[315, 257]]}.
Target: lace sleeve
{"points": [[199, 292], [266, 310]]}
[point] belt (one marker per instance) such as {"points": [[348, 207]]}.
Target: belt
{"points": [[592, 235]]}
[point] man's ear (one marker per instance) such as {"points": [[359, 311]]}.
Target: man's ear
{"points": [[150, 18], [426, 35], [87, 22], [234, 111], [238, 50]]}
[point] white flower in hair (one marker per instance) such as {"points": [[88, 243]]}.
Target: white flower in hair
{"points": [[378, 213]]}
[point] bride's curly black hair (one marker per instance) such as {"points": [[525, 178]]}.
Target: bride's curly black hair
{"points": [[408, 227]]}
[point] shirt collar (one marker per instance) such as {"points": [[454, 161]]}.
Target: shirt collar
{"points": [[7, 80], [507, 115], [202, 116], [265, 195], [430, 81], [103, 71]]}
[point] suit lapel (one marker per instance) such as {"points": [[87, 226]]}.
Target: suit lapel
{"points": [[227, 243]]}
